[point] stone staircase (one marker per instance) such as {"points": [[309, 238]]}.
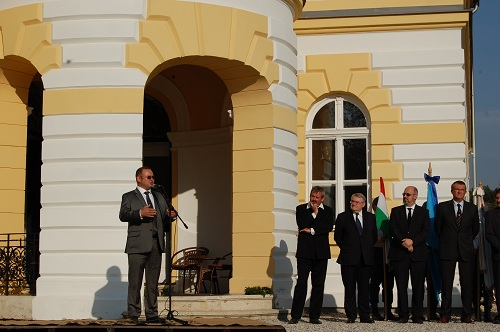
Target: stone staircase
{"points": [[219, 305], [19, 307]]}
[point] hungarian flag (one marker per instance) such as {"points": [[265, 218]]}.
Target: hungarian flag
{"points": [[381, 214]]}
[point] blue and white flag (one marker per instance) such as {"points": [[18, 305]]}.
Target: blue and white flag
{"points": [[432, 239]]}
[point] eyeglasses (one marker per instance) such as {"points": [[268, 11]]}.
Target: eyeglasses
{"points": [[407, 194], [357, 202], [149, 177]]}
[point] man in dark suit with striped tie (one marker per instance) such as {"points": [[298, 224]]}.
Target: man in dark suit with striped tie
{"points": [[457, 224], [356, 234]]}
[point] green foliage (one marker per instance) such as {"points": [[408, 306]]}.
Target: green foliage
{"points": [[257, 290], [489, 197]]}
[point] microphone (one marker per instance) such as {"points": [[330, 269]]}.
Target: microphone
{"points": [[157, 186]]}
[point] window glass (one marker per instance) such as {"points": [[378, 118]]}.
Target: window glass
{"points": [[353, 117], [325, 118], [355, 158], [323, 160]]}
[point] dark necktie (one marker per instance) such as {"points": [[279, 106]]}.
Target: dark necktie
{"points": [[148, 200], [150, 204], [358, 224], [409, 214], [459, 215]]}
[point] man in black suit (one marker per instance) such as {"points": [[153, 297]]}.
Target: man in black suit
{"points": [[492, 234], [409, 226], [457, 224], [356, 234], [145, 213], [315, 222]]}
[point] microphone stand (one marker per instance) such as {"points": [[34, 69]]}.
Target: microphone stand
{"points": [[168, 254]]}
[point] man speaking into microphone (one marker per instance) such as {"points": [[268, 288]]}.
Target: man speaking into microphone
{"points": [[145, 213]]}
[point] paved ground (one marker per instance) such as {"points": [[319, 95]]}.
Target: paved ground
{"points": [[337, 322]]}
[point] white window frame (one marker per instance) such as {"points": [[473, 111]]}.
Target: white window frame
{"points": [[339, 134]]}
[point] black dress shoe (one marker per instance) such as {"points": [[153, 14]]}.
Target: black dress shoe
{"points": [[314, 321], [403, 320], [366, 320], [377, 316], [417, 320], [351, 320], [467, 319], [155, 320], [444, 319], [433, 317], [293, 321], [133, 320], [392, 317]]}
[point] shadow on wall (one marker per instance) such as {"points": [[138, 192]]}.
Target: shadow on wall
{"points": [[110, 301], [280, 270]]}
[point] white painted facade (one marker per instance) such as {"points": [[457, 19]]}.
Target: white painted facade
{"points": [[89, 160]]}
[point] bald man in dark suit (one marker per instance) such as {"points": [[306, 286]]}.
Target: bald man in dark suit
{"points": [[457, 224], [409, 226]]}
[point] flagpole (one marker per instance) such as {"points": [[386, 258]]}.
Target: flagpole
{"points": [[384, 281], [429, 171]]}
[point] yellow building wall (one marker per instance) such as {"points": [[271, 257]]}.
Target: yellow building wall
{"points": [[234, 45], [25, 49]]}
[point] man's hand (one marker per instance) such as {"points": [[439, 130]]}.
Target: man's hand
{"points": [[407, 243], [172, 213], [305, 230], [315, 207], [148, 212]]}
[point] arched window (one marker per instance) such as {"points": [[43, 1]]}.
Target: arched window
{"points": [[337, 150]]}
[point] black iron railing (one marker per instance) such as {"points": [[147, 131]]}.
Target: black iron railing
{"points": [[19, 263]]}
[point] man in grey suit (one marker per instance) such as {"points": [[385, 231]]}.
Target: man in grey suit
{"points": [[145, 213], [457, 224]]}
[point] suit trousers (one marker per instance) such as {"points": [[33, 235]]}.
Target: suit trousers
{"points": [[352, 276], [402, 271], [377, 279], [317, 268], [466, 274], [149, 262]]}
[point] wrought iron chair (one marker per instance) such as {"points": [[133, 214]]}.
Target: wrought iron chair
{"points": [[188, 261], [213, 273]]}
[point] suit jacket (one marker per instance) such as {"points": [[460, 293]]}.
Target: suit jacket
{"points": [[139, 234], [455, 242], [353, 246], [315, 246], [417, 230], [492, 232]]}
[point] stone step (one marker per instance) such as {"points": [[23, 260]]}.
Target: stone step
{"points": [[219, 305]]}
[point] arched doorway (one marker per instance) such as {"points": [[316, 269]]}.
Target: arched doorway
{"points": [[199, 147]]}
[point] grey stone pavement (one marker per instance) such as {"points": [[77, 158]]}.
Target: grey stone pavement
{"points": [[337, 322]]}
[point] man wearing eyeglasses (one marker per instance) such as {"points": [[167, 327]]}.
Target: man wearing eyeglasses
{"points": [[356, 234], [409, 227], [145, 213], [457, 224]]}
